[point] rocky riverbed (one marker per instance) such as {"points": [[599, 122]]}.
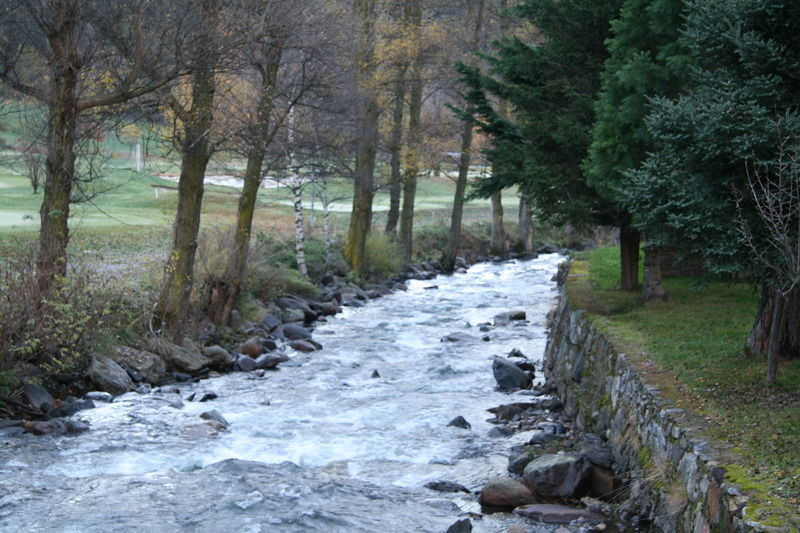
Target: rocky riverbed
{"points": [[382, 426]]}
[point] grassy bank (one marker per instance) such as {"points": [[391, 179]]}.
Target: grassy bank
{"points": [[696, 339]]}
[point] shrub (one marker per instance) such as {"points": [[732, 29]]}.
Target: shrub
{"points": [[55, 333], [382, 257]]}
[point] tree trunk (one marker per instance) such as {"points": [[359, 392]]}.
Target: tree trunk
{"points": [[413, 15], [653, 287], [395, 180], [326, 225], [172, 310], [366, 142], [498, 237], [525, 225], [775, 333], [223, 291], [51, 262], [456, 217], [299, 228], [629, 256]]}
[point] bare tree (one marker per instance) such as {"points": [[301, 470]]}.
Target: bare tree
{"points": [[773, 237], [77, 58]]}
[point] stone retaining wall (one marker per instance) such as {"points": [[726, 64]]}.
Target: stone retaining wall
{"points": [[672, 476]]}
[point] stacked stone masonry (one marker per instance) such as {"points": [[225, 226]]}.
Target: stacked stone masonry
{"points": [[672, 476]]}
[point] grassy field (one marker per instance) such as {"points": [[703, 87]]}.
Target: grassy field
{"points": [[697, 337]]}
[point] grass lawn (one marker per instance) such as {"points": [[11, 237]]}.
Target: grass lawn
{"points": [[698, 336]]}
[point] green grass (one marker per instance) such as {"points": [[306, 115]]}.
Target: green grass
{"points": [[698, 336]]}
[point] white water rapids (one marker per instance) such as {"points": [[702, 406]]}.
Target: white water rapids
{"points": [[319, 445]]}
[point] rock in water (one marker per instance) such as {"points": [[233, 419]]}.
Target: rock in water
{"points": [[109, 376], [557, 514], [460, 422], [446, 486], [458, 336], [506, 492], [508, 376], [558, 476], [462, 526]]}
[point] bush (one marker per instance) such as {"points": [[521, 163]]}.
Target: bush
{"points": [[55, 334], [382, 257]]}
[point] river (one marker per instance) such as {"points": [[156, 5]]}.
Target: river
{"points": [[321, 444]]}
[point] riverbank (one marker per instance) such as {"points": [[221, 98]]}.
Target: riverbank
{"points": [[693, 346]]}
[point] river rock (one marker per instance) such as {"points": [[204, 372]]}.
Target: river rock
{"points": [[498, 432], [206, 430], [503, 319], [518, 460], [149, 365], [462, 526], [99, 396], [214, 415], [37, 396], [294, 332], [506, 492], [69, 406], [557, 514], [328, 308], [109, 376], [306, 345], [245, 363], [458, 336], [293, 315], [460, 422], [446, 486], [179, 357], [202, 396], [597, 450], [509, 411], [558, 476], [252, 347], [220, 357], [270, 360], [508, 376], [309, 315], [270, 322]]}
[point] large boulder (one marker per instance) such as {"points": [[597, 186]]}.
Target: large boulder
{"points": [[506, 492], [37, 396], [508, 376], [179, 357], [107, 375], [271, 360], [147, 364], [270, 322], [558, 476], [503, 319]]}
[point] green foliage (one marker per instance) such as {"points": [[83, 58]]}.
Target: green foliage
{"points": [[740, 97], [647, 60], [551, 86], [271, 271], [383, 257]]}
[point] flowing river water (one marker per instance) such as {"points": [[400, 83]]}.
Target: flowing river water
{"points": [[321, 444]]}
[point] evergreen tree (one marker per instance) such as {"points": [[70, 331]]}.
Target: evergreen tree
{"points": [[743, 97], [647, 60], [550, 85]]}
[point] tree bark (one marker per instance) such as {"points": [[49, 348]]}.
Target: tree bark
{"points": [[775, 333], [395, 179], [653, 287], [224, 290], [172, 309], [498, 236], [457, 215], [525, 225], [366, 142], [413, 15], [299, 228], [51, 262], [629, 256]]}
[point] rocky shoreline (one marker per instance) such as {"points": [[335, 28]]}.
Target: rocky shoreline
{"points": [[557, 476]]}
